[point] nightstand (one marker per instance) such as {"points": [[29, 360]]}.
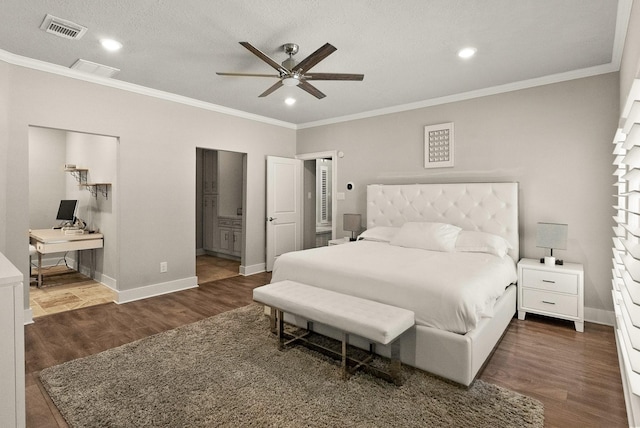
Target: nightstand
{"points": [[555, 291], [339, 241]]}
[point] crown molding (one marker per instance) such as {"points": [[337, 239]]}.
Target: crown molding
{"points": [[35, 64], [494, 90]]}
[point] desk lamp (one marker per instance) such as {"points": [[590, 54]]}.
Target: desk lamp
{"points": [[551, 235], [351, 223]]}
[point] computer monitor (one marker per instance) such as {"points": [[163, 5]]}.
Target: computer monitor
{"points": [[67, 210]]}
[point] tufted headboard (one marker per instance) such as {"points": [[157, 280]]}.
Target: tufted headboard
{"points": [[486, 207]]}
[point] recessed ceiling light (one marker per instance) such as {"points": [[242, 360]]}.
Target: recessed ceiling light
{"points": [[290, 101], [467, 52], [111, 45]]}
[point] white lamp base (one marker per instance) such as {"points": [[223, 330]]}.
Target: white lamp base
{"points": [[550, 261]]}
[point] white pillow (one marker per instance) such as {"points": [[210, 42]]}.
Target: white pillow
{"points": [[379, 233], [482, 242], [428, 236]]}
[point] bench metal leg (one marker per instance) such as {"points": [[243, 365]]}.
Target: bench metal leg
{"points": [[345, 342], [395, 365], [280, 320], [272, 320]]}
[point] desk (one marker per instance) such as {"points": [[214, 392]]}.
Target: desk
{"points": [[49, 241]]}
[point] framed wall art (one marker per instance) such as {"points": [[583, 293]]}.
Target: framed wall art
{"points": [[438, 145]]}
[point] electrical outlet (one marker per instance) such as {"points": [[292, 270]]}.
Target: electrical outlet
{"points": [[163, 267]]}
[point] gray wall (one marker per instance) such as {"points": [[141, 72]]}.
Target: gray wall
{"points": [[229, 183], [554, 140], [47, 180], [5, 93], [156, 159], [98, 154], [309, 205]]}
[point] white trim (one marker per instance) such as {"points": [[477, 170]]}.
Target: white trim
{"points": [[103, 279], [333, 154], [153, 290], [107, 281], [317, 155], [634, 94], [494, 90], [622, 24], [599, 316], [253, 269], [138, 89], [28, 316]]}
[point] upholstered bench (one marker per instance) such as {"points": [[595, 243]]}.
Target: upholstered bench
{"points": [[376, 322]]}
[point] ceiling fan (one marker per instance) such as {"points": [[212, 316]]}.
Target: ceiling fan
{"points": [[292, 74]]}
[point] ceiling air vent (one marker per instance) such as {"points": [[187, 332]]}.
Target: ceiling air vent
{"points": [[62, 28], [94, 68]]}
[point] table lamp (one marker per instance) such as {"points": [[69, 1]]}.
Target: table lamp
{"points": [[351, 223], [551, 235]]}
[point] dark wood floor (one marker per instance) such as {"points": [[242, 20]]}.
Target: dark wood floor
{"points": [[574, 374]]}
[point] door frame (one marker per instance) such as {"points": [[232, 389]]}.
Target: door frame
{"points": [[333, 155], [199, 201]]}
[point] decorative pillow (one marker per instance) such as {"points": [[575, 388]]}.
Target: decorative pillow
{"points": [[482, 242], [428, 236], [379, 233]]}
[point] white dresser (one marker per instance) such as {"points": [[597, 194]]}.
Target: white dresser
{"points": [[12, 396]]}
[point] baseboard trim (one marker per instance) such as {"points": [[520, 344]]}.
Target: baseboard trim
{"points": [[28, 316], [100, 277], [126, 296], [253, 269], [599, 316]]}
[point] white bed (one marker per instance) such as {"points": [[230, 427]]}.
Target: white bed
{"points": [[469, 308]]}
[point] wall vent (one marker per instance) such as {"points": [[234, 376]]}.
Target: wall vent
{"points": [[62, 28]]}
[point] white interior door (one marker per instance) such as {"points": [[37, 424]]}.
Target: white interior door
{"points": [[284, 207]]}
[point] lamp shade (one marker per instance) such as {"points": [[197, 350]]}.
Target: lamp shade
{"points": [[351, 222], [552, 235]]}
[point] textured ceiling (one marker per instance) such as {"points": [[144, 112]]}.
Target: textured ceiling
{"points": [[406, 49]]}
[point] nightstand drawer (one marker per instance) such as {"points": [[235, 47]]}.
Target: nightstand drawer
{"points": [[551, 281], [550, 302]]}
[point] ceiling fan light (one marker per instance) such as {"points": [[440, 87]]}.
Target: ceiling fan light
{"points": [[291, 81], [467, 52]]}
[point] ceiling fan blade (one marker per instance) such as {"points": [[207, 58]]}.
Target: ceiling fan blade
{"points": [[333, 76], [275, 86], [247, 74], [257, 52], [308, 87], [314, 58]]}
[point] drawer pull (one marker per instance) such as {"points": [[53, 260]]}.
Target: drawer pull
{"points": [[548, 303], [549, 281]]}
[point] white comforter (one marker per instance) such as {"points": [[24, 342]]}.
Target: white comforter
{"points": [[447, 290]]}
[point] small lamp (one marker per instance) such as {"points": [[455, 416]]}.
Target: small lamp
{"points": [[551, 235], [351, 223]]}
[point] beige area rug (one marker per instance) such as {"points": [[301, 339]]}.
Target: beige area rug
{"points": [[226, 371]]}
